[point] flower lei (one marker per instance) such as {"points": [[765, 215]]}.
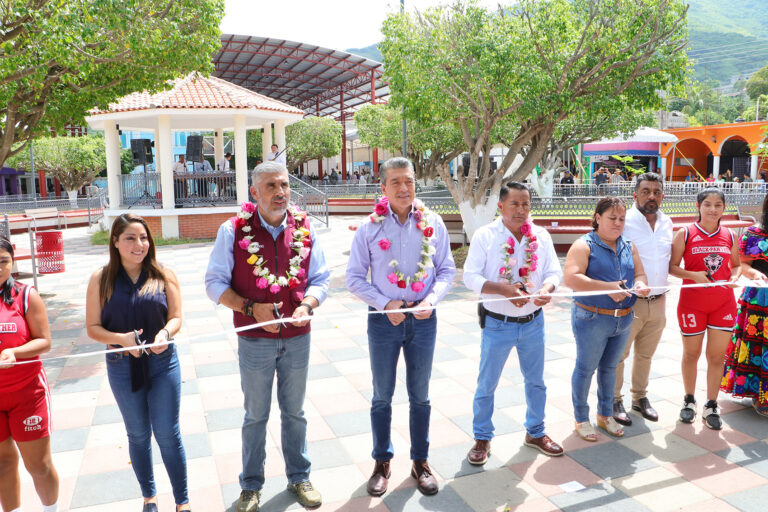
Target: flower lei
{"points": [[301, 244], [397, 277], [506, 271]]}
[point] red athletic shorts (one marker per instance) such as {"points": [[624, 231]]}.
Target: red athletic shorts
{"points": [[721, 316], [25, 414]]}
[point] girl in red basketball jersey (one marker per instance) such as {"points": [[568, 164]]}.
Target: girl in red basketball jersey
{"points": [[709, 254], [25, 402]]}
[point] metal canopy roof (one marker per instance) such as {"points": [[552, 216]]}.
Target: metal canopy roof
{"points": [[312, 78]]}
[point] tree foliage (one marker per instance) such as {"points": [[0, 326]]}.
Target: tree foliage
{"points": [[703, 105], [58, 59], [757, 85], [310, 139], [530, 66], [429, 146], [74, 161]]}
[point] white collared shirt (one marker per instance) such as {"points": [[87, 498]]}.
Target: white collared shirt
{"points": [[653, 245], [485, 258]]}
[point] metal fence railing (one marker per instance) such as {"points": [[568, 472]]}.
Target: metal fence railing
{"points": [[140, 189], [583, 206], [91, 202], [201, 189], [625, 188], [314, 201]]}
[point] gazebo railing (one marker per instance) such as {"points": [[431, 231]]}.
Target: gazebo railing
{"points": [[201, 189]]}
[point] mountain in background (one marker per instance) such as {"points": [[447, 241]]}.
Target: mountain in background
{"points": [[369, 52], [728, 39]]}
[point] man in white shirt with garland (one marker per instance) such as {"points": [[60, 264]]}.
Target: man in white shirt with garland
{"points": [[650, 230], [511, 258]]}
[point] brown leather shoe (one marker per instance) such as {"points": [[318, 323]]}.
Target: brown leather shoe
{"points": [[644, 407], [377, 484], [479, 453], [423, 475], [545, 445], [620, 414]]}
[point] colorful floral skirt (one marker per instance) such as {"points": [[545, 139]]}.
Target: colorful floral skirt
{"points": [[745, 373]]}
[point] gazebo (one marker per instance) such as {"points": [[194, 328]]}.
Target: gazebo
{"points": [[193, 103]]}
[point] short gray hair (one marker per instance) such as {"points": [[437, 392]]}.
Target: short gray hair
{"points": [[397, 162], [266, 168]]}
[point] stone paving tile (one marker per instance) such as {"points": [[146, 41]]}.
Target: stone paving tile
{"points": [[652, 467]]}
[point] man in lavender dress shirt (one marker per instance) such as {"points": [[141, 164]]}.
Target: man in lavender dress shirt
{"points": [[389, 333]]}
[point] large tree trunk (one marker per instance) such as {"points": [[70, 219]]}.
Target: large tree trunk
{"points": [[72, 194], [544, 182]]}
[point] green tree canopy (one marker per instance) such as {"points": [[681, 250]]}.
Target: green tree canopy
{"points": [[429, 146], [310, 139], [58, 59], [530, 65], [757, 85]]}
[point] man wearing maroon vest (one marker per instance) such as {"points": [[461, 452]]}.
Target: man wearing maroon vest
{"points": [[266, 264]]}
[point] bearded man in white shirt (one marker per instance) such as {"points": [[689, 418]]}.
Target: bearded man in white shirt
{"points": [[512, 258], [650, 230]]}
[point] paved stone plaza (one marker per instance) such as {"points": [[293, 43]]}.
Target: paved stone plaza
{"points": [[656, 466]]}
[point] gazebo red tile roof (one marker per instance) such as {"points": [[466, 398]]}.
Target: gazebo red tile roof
{"points": [[198, 92]]}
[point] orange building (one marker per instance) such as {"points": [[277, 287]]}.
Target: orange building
{"points": [[714, 149]]}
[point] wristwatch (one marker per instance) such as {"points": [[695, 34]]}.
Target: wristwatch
{"points": [[310, 308]]}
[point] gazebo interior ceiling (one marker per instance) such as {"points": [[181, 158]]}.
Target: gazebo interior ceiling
{"points": [[312, 78]]}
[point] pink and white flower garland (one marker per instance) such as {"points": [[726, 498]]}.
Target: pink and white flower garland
{"points": [[397, 277], [506, 271], [300, 244]]}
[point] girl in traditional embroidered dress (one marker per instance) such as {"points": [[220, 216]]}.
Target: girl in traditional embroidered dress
{"points": [[746, 365]]}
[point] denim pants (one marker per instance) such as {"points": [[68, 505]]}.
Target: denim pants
{"points": [[600, 343], [416, 338], [260, 359], [498, 340], [152, 412]]}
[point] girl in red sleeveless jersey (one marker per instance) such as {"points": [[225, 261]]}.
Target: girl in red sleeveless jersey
{"points": [[709, 254], [25, 401]]}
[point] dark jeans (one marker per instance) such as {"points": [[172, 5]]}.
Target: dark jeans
{"points": [[416, 338], [155, 411]]}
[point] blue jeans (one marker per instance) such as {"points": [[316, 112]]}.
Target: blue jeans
{"points": [[416, 338], [152, 412], [498, 340], [600, 343], [260, 359]]}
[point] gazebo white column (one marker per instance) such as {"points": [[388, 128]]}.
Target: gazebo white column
{"points": [[280, 136], [664, 167], [753, 163], [218, 147], [241, 159], [266, 141], [112, 147], [164, 151], [716, 166]]}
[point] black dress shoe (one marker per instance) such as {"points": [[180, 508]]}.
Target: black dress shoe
{"points": [[643, 406], [149, 507], [620, 415]]}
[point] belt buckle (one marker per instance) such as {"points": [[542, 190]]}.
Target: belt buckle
{"points": [[616, 313]]}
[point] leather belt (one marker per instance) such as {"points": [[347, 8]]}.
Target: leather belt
{"points": [[514, 319], [651, 298], [609, 312]]}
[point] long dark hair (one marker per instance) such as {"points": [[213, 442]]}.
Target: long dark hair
{"points": [[156, 279], [10, 283], [701, 196], [604, 205], [764, 217]]}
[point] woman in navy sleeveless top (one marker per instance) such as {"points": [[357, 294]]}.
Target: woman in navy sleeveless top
{"points": [[602, 261], [134, 297]]}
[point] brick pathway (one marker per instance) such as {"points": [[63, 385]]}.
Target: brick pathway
{"points": [[656, 466]]}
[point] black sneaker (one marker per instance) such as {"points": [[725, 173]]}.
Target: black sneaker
{"points": [[711, 416], [688, 412]]}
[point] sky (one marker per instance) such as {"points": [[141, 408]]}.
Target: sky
{"points": [[337, 24]]}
